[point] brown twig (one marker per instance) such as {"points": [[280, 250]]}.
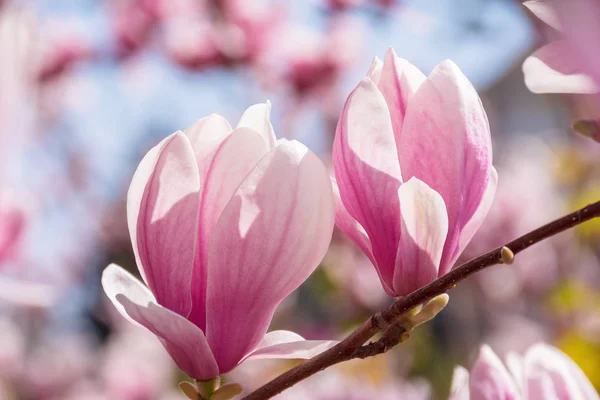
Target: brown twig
{"points": [[391, 337], [348, 348]]}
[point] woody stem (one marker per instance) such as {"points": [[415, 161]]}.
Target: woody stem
{"points": [[352, 346]]}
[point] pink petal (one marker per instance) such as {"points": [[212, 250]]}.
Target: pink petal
{"points": [[162, 214], [544, 10], [232, 161], [489, 378], [477, 219], [399, 81], [270, 237], [446, 143], [580, 20], [424, 230], [303, 349], [367, 171], [286, 344], [277, 337], [184, 341], [349, 225], [375, 69], [206, 135], [553, 69], [116, 280], [12, 225], [552, 375], [459, 389], [516, 366], [257, 117]]}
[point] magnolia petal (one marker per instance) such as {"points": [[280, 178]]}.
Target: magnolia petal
{"points": [[206, 135], [257, 117], [489, 378], [399, 81], [446, 143], [303, 349], [375, 69], [424, 230], [515, 363], [580, 20], [349, 225], [550, 374], [233, 160], [367, 171], [476, 220], [116, 280], [162, 214], [184, 341], [270, 237], [278, 337], [459, 388], [553, 69], [544, 10]]}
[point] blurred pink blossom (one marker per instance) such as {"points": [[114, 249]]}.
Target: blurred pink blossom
{"points": [[580, 20], [312, 61], [516, 210], [351, 269], [198, 34], [566, 65], [332, 385], [62, 54], [543, 373], [12, 226], [133, 22], [352, 380], [224, 224], [257, 22], [413, 160], [18, 86], [64, 359], [125, 377]]}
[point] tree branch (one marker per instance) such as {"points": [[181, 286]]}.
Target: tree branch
{"points": [[352, 346], [392, 336]]}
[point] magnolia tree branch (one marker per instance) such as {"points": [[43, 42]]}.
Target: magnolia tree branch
{"points": [[388, 319]]}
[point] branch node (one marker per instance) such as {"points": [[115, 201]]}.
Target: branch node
{"points": [[506, 255], [379, 322], [405, 336]]}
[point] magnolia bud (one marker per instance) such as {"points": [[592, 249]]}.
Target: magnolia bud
{"points": [[429, 311]]}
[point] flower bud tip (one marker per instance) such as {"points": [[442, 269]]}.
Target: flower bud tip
{"points": [[506, 255]]}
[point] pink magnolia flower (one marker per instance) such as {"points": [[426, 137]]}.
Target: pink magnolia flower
{"points": [[581, 22], [224, 224], [545, 373], [413, 160], [566, 65]]}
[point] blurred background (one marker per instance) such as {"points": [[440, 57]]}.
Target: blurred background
{"points": [[87, 87]]}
